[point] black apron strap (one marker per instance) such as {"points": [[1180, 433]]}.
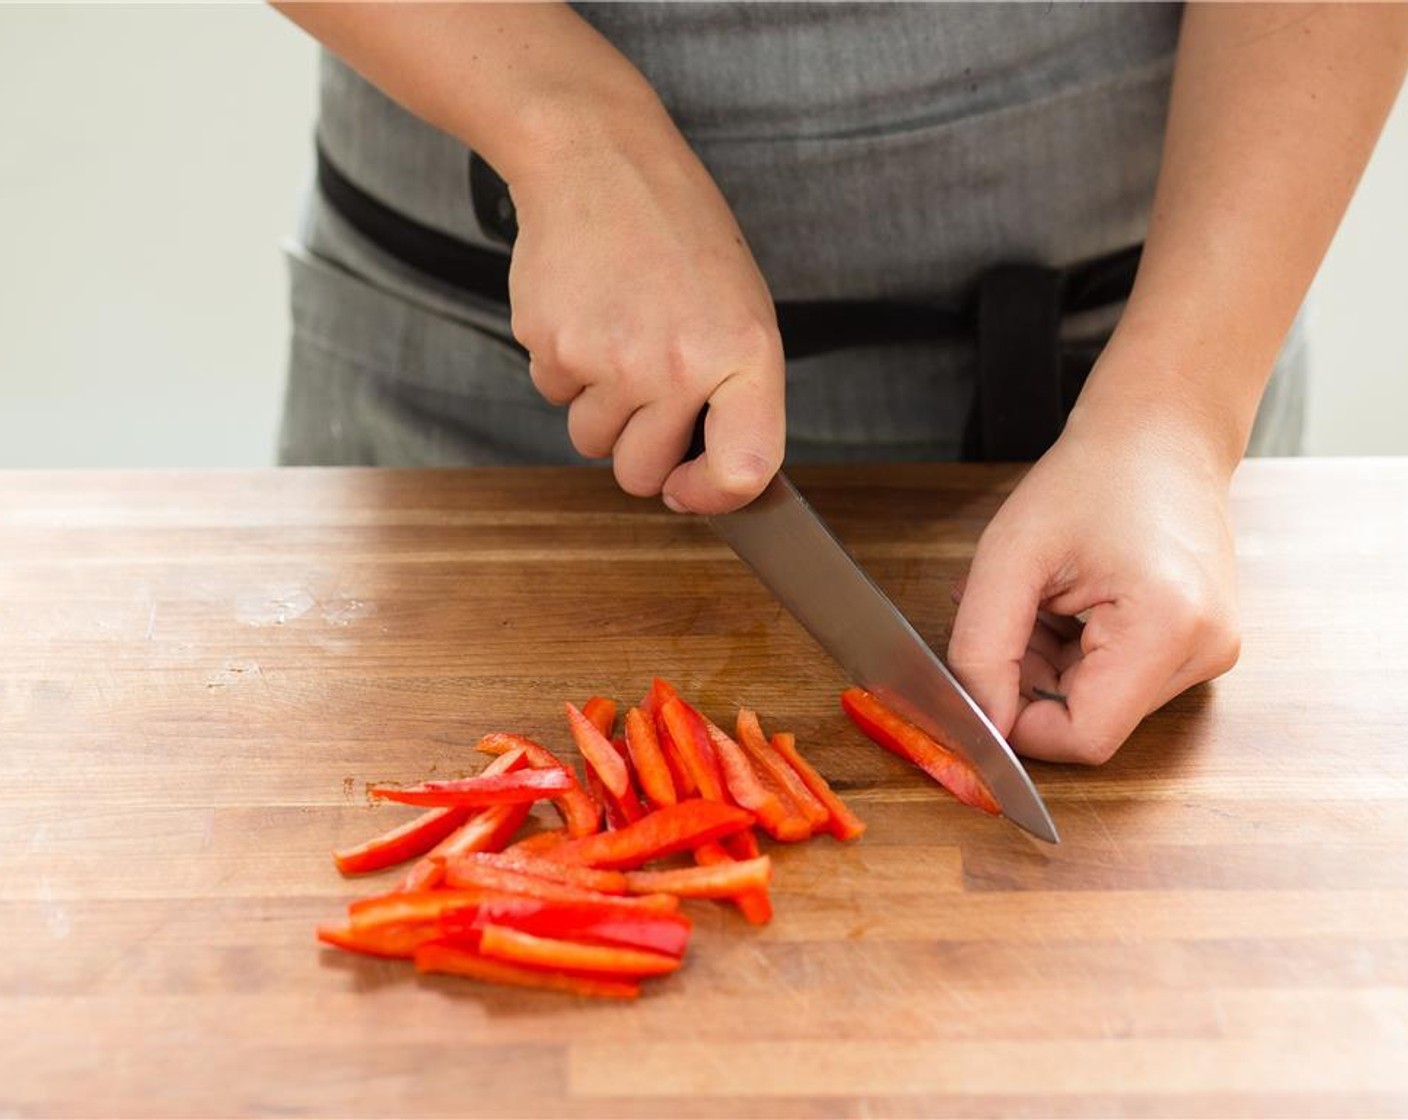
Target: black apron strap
{"points": [[1017, 407], [1027, 381]]}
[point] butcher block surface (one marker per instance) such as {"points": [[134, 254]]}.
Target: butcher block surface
{"points": [[203, 672]]}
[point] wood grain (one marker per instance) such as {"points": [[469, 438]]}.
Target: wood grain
{"points": [[203, 672]]}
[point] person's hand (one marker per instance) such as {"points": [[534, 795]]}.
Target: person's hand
{"points": [[1124, 524], [639, 303]]}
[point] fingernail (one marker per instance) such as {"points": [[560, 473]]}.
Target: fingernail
{"points": [[671, 503]]}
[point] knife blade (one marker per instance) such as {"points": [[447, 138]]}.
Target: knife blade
{"points": [[809, 571]]}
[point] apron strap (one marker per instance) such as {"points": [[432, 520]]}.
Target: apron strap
{"points": [[1018, 411], [1028, 380]]}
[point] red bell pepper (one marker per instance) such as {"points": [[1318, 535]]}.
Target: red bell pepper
{"points": [[488, 831], [601, 713], [485, 830], [842, 823], [755, 905], [660, 691], [590, 878], [718, 880], [901, 737], [464, 874], [752, 739], [617, 925], [395, 939], [746, 788], [538, 843], [690, 736], [519, 787], [437, 957], [620, 811], [582, 814], [652, 770], [597, 752], [671, 829], [405, 841], [515, 946], [410, 906]]}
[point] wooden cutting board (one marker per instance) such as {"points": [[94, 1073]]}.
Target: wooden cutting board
{"points": [[201, 673]]}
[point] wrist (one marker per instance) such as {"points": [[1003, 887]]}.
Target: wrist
{"points": [[1185, 395]]}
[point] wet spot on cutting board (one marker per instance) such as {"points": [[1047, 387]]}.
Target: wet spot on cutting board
{"points": [[273, 607], [344, 612]]}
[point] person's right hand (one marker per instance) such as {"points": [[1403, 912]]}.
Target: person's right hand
{"points": [[639, 303]]}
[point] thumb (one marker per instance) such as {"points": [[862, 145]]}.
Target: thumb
{"points": [[745, 431], [994, 623]]}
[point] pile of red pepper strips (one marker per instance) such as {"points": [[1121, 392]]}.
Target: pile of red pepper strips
{"points": [[577, 909]]}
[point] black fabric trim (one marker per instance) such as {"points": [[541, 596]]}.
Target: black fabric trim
{"points": [[482, 272], [1027, 380]]}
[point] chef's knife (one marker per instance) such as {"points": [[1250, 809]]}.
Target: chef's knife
{"points": [[802, 563]]}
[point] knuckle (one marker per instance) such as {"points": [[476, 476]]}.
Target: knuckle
{"points": [[758, 341], [572, 350], [636, 478], [1222, 651]]}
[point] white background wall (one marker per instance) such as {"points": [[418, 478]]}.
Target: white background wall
{"points": [[150, 164]]}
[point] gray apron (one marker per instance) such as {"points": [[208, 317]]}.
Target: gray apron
{"points": [[869, 152]]}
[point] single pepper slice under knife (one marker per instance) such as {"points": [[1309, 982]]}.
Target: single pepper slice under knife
{"points": [[901, 737]]}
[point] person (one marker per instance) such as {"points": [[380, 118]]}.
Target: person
{"points": [[684, 187]]}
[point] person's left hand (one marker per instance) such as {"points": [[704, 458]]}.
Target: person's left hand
{"points": [[1123, 523]]}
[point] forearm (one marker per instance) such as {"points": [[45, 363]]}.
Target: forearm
{"points": [[1275, 110], [518, 83]]}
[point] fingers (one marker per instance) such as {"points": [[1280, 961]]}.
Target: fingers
{"points": [[644, 422], [652, 444], [554, 383], [1134, 656], [744, 435], [993, 626], [1125, 671]]}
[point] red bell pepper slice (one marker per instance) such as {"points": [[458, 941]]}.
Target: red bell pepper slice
{"points": [[410, 906], [395, 939], [516, 947], [752, 739], [601, 713], [620, 811], [717, 880], [589, 878], [405, 841], [582, 814], [660, 691], [780, 821], [842, 823], [519, 787], [670, 829], [488, 831], [690, 736], [618, 925], [460, 961], [597, 752], [538, 843], [754, 905], [901, 737], [463, 873], [652, 770]]}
